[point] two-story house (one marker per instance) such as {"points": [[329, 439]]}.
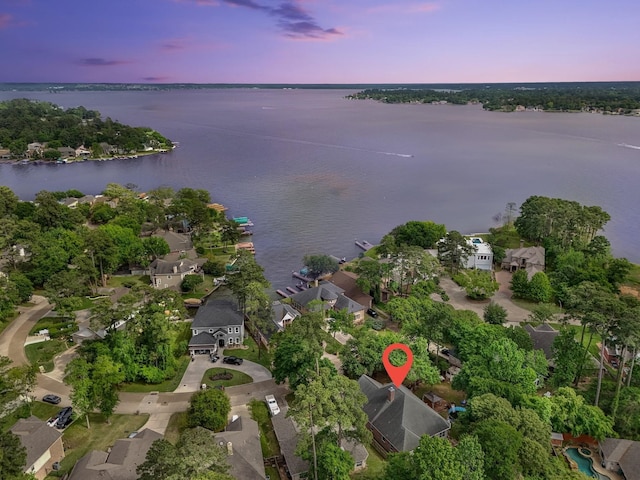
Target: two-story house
{"points": [[481, 258], [332, 298], [167, 274], [218, 323]]}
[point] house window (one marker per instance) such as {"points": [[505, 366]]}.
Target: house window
{"points": [[168, 277], [237, 329], [211, 330], [237, 341], [358, 464], [230, 341], [230, 330]]}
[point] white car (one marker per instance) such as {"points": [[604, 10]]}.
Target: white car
{"points": [[274, 409]]}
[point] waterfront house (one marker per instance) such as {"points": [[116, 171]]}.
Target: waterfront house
{"points": [[482, 256], [347, 281], [218, 323], [283, 315], [621, 456], [120, 462], [241, 440], [332, 298], [66, 152], [166, 274], [530, 259], [43, 445], [397, 418]]}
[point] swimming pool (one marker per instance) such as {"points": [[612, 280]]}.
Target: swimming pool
{"points": [[585, 465]]}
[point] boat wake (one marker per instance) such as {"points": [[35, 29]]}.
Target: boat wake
{"points": [[626, 145]]}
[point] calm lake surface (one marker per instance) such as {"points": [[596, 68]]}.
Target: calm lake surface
{"points": [[315, 171]]}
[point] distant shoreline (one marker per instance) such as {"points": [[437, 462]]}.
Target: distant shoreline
{"points": [[26, 161]]}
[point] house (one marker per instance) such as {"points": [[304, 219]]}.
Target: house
{"points": [[543, 336], [288, 437], [82, 151], [5, 154], [35, 148], [331, 296], [556, 439], [66, 152], [120, 462], [347, 282], [357, 451], [166, 274], [482, 256], [177, 242], [283, 315], [241, 438], [397, 418], [43, 444], [620, 455], [70, 202], [530, 258], [218, 323]]}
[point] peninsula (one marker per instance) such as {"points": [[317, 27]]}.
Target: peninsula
{"points": [[34, 131]]}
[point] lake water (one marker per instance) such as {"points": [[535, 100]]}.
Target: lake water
{"points": [[315, 171]]}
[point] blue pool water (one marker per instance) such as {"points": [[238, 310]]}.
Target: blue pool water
{"points": [[584, 464]]}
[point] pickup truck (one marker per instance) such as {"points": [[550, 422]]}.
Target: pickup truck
{"points": [[274, 409]]}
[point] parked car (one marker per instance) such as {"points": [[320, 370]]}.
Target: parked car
{"points": [[51, 398], [214, 358], [232, 360], [372, 312], [62, 419], [274, 409]]}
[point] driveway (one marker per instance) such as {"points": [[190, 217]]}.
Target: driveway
{"points": [[13, 337]]}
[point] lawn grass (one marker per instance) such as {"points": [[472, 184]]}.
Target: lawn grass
{"points": [[43, 411], [332, 346], [529, 305], [42, 353], [251, 353], [177, 424], [268, 440], [633, 279], [375, 467], [78, 440], [272, 473], [202, 289], [166, 386], [238, 378], [443, 390]]}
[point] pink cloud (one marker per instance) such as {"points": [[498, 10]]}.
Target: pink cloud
{"points": [[405, 9], [200, 3], [6, 20]]}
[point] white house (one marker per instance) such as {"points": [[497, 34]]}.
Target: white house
{"points": [[482, 256]]}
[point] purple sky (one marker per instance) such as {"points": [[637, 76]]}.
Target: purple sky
{"points": [[319, 41]]}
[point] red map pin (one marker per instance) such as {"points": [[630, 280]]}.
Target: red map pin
{"points": [[397, 374]]}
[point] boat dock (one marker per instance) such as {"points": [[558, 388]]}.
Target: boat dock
{"points": [[243, 221], [282, 294], [364, 245], [299, 276], [246, 246], [291, 290]]}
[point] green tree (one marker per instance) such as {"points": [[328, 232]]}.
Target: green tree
{"points": [[433, 458], [209, 409], [520, 284], [155, 247], [246, 270], [106, 375], [539, 288], [334, 463], [495, 314], [13, 457], [259, 312], [453, 251], [191, 283], [501, 446], [568, 356], [8, 201], [480, 284], [78, 376], [420, 234], [570, 413], [471, 458], [318, 265]]}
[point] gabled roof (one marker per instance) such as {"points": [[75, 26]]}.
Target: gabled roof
{"points": [[163, 267], [283, 312], [203, 338], [176, 241], [246, 461], [327, 292], [347, 281], [542, 337], [36, 436], [217, 313], [402, 421], [625, 453], [288, 438], [119, 464], [532, 255]]}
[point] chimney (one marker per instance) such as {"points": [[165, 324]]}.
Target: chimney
{"points": [[521, 243], [315, 282], [391, 394], [175, 269], [229, 448]]}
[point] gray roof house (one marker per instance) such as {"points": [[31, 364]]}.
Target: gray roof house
{"points": [[397, 418], [332, 296], [543, 336], [621, 455], [532, 259], [120, 463], [283, 314], [43, 444], [218, 323], [166, 274], [288, 436], [241, 438]]}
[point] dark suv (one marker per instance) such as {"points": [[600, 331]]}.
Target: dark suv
{"points": [[232, 360], [372, 312], [64, 418]]}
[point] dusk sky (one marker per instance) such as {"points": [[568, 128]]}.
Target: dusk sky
{"points": [[319, 41]]}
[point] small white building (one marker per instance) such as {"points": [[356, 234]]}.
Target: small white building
{"points": [[482, 256]]}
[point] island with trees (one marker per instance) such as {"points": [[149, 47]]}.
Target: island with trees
{"points": [[619, 98], [42, 131]]}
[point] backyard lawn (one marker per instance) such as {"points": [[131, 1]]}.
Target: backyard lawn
{"points": [[237, 378], [177, 424], [375, 467], [78, 440], [42, 353]]}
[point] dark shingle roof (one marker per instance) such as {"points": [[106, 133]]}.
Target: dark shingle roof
{"points": [[402, 421], [36, 436], [288, 437], [217, 313], [163, 267], [203, 338], [625, 452], [543, 337], [326, 292], [246, 461]]}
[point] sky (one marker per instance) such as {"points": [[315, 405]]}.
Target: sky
{"points": [[319, 41]]}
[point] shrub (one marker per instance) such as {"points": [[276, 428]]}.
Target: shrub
{"points": [[495, 314]]}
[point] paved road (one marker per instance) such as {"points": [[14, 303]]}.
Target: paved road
{"points": [[13, 337]]}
